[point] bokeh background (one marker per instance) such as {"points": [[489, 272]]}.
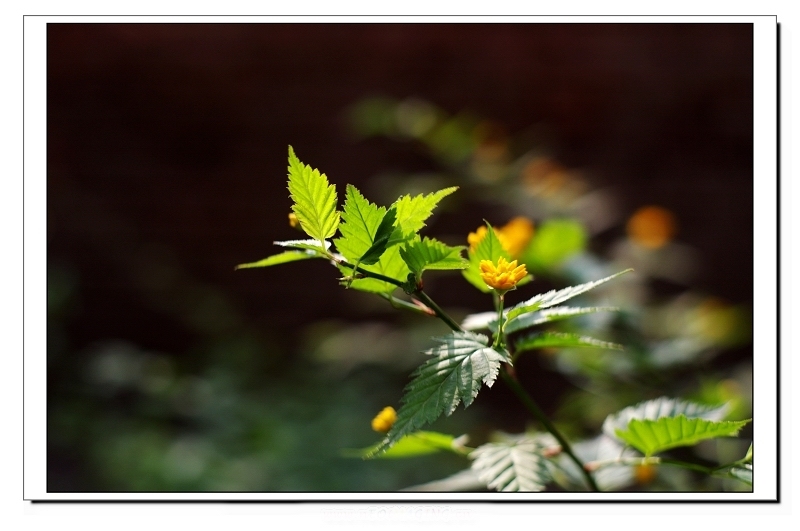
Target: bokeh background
{"points": [[167, 145]]}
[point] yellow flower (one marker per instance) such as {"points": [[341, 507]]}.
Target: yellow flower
{"points": [[293, 222], [514, 236], [384, 420], [504, 276]]}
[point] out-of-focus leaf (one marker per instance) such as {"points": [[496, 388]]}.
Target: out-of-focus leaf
{"points": [[661, 407], [653, 436], [555, 241], [411, 445], [561, 340], [282, 258]]}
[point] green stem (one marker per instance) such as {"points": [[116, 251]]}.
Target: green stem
{"points": [[689, 466], [498, 337], [399, 303], [526, 399], [422, 296], [370, 274]]}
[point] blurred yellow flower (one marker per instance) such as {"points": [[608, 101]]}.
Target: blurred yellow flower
{"points": [[514, 236], [293, 222], [384, 420], [651, 227], [644, 474], [503, 276]]}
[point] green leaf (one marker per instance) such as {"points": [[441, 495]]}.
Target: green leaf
{"points": [[512, 466], [478, 321], [743, 473], [653, 436], [552, 314], [411, 445], [661, 407], [553, 243], [554, 297], [360, 222], [427, 253], [488, 248], [413, 211], [391, 264], [310, 245], [381, 239], [454, 372], [287, 256], [561, 340], [314, 199]]}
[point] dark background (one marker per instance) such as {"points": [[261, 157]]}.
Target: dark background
{"points": [[167, 163]]}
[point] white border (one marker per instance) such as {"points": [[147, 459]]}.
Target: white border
{"points": [[765, 252]]}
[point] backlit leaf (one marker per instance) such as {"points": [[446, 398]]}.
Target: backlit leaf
{"points": [[314, 199]]}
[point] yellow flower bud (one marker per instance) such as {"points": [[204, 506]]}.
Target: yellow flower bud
{"points": [[503, 276], [384, 420], [293, 222]]}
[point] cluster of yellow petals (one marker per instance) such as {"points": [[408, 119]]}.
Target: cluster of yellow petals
{"points": [[514, 236], [384, 420], [502, 276]]}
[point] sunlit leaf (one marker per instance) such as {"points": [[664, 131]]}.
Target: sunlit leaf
{"points": [[554, 242], [661, 407], [427, 253], [360, 222], [413, 211], [554, 297], [314, 199], [411, 445], [479, 321], [381, 239], [653, 436], [561, 340], [310, 245], [282, 258], [454, 373], [515, 465]]}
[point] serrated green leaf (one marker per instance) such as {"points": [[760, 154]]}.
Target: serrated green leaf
{"points": [[381, 239], [554, 297], [453, 374], [413, 211], [488, 320], [310, 245], [661, 407], [512, 466], [282, 258], [427, 253], [552, 314], [488, 248], [314, 199], [561, 340], [391, 265], [411, 445], [360, 222], [653, 436]]}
